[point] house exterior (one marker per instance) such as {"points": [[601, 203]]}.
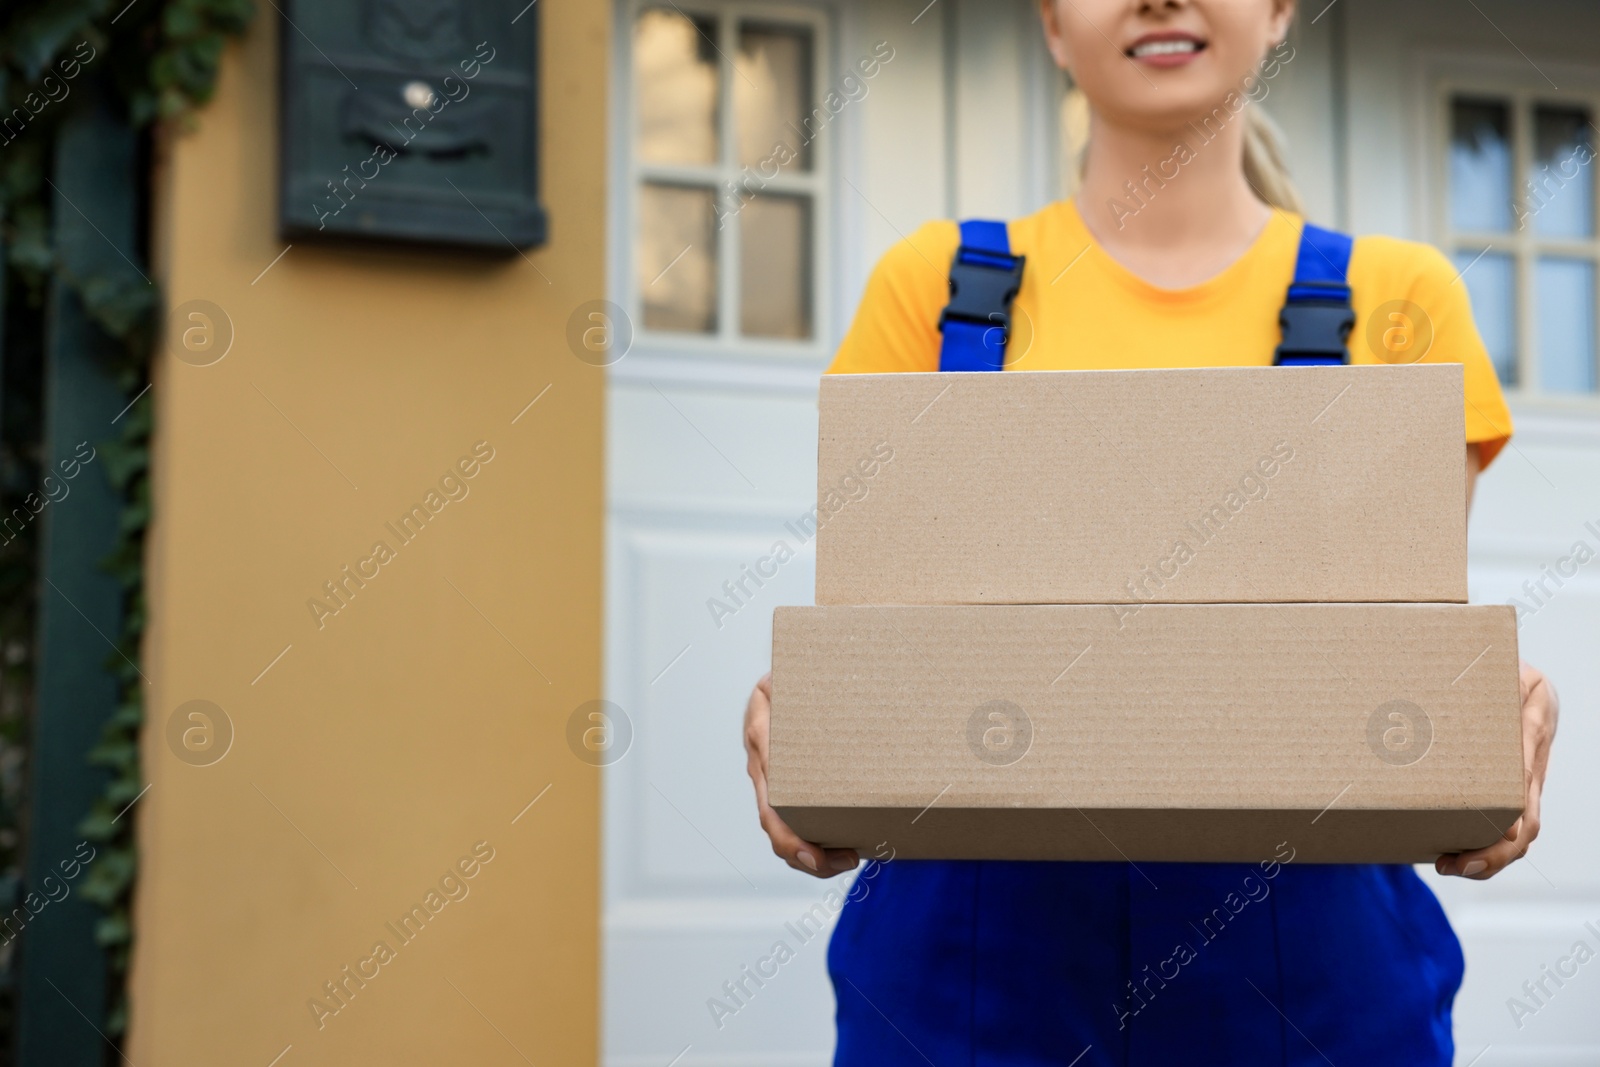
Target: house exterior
{"points": [[638, 396]]}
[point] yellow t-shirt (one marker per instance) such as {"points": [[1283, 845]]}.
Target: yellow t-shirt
{"points": [[1079, 309]]}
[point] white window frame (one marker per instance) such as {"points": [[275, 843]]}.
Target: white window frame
{"points": [[817, 184], [1521, 86]]}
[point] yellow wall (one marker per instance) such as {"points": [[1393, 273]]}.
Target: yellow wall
{"points": [[406, 729]]}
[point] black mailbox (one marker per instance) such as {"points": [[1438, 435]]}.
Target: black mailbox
{"points": [[412, 120]]}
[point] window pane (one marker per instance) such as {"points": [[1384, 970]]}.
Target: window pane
{"points": [[771, 98], [1480, 165], [1565, 298], [775, 267], [1561, 190], [678, 258], [676, 79], [1491, 282]]}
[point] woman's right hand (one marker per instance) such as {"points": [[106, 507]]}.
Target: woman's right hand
{"points": [[786, 844]]}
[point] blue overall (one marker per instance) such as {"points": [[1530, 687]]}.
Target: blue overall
{"points": [[1000, 964]]}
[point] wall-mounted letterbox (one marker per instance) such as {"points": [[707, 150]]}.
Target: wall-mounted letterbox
{"points": [[412, 120]]}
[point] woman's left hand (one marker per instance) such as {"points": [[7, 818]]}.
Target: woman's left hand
{"points": [[1540, 710]]}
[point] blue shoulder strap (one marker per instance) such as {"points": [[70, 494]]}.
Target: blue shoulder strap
{"points": [[1317, 316], [984, 279]]}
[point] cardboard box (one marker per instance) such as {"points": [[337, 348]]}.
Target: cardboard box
{"points": [[1353, 732], [1216, 485]]}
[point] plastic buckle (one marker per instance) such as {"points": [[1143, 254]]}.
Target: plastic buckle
{"points": [[982, 288], [1316, 327]]}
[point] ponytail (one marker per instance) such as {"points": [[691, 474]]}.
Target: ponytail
{"points": [[1074, 138], [1264, 166]]}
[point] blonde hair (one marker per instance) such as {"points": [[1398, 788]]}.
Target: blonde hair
{"points": [[1264, 166]]}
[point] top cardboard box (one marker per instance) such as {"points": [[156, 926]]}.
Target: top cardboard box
{"points": [[1214, 485]]}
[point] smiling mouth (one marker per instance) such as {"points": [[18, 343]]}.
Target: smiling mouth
{"points": [[1147, 49]]}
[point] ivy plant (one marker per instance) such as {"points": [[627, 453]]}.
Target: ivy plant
{"points": [[157, 60]]}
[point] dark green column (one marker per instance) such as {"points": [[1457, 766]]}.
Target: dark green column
{"points": [[62, 994]]}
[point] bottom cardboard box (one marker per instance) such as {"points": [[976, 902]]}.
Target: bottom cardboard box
{"points": [[1381, 733]]}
